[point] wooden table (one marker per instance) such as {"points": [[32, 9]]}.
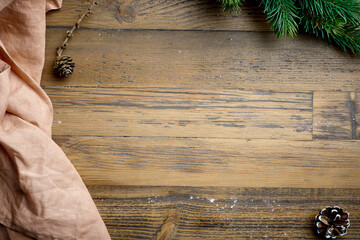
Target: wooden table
{"points": [[187, 123]]}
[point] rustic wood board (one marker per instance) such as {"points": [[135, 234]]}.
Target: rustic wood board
{"points": [[187, 123], [182, 113], [335, 115], [202, 60], [219, 212], [355, 114], [213, 162], [161, 15]]}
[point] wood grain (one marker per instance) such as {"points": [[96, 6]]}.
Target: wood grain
{"points": [[164, 15], [187, 123], [355, 114], [334, 115], [202, 60], [181, 113], [221, 213], [168, 229], [159, 161]]}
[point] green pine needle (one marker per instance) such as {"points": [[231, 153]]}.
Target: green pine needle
{"points": [[337, 21], [348, 10], [230, 6], [282, 14]]}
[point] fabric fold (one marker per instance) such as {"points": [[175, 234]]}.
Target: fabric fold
{"points": [[41, 194], [4, 88]]}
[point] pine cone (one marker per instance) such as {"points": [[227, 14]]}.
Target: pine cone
{"points": [[64, 66], [332, 222]]}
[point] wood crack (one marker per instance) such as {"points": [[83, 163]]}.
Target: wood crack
{"points": [[353, 115]]}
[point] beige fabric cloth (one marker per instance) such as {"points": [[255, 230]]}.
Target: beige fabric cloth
{"points": [[41, 194]]}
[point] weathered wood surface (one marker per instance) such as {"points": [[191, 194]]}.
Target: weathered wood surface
{"points": [[335, 115], [218, 212], [161, 15], [202, 60], [213, 162], [355, 114], [182, 113], [187, 123]]}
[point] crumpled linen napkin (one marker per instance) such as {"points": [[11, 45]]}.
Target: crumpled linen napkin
{"points": [[41, 194]]}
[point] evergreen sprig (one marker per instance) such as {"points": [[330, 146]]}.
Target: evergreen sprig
{"points": [[230, 6], [337, 21], [282, 14]]}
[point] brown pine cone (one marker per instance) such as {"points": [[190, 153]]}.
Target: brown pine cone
{"points": [[64, 66], [332, 222]]}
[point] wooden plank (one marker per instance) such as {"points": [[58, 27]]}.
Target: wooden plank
{"points": [[202, 60], [164, 14], [333, 115], [181, 113], [213, 162], [220, 213], [355, 114]]}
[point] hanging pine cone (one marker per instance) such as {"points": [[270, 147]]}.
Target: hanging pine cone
{"points": [[332, 222], [64, 66]]}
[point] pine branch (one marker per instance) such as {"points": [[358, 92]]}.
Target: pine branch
{"points": [[70, 33], [348, 10], [337, 21], [230, 6], [64, 65], [282, 14]]}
